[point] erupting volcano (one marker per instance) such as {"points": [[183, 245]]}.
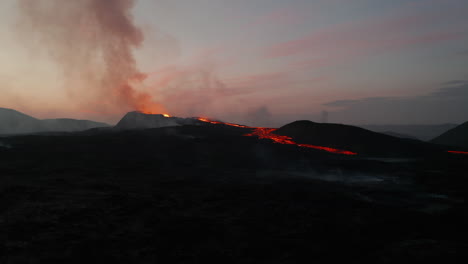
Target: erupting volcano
{"points": [[267, 133], [333, 138]]}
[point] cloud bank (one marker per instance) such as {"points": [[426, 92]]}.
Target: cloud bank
{"points": [[445, 105]]}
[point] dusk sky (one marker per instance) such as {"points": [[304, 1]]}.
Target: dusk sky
{"points": [[256, 62]]}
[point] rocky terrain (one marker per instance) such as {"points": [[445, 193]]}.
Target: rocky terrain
{"points": [[207, 192]]}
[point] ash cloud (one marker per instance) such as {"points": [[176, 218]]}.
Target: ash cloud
{"points": [[91, 42]]}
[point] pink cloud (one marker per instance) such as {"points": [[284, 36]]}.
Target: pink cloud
{"points": [[308, 64], [196, 89], [258, 79], [283, 16], [344, 41]]}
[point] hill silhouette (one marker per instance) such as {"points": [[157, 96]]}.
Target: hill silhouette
{"points": [[353, 138], [456, 137], [14, 122]]}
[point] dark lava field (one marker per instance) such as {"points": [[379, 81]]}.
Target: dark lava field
{"points": [[192, 194]]}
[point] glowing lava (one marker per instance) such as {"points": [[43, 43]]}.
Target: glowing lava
{"points": [[458, 152], [204, 119], [152, 113], [267, 133]]}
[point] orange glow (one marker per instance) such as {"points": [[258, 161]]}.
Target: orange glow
{"points": [[458, 152], [147, 112], [267, 133]]}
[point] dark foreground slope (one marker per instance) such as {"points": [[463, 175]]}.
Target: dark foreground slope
{"points": [[456, 137], [356, 139], [14, 122], [192, 194]]}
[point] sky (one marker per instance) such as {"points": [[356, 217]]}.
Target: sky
{"points": [[255, 62]]}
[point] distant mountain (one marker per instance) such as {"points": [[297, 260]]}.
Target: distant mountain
{"points": [[353, 138], [398, 135], [138, 120], [14, 122], [457, 137], [422, 132], [71, 125]]}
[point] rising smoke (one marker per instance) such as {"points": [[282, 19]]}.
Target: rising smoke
{"points": [[91, 42]]}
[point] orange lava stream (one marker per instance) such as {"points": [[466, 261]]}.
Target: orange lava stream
{"points": [[458, 152], [203, 119], [267, 133]]}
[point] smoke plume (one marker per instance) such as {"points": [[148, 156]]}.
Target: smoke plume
{"points": [[91, 43]]}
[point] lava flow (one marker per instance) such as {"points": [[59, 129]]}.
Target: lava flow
{"points": [[267, 133], [458, 152], [203, 119]]}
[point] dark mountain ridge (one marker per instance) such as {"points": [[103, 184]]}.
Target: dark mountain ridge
{"points": [[355, 139], [456, 137]]}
